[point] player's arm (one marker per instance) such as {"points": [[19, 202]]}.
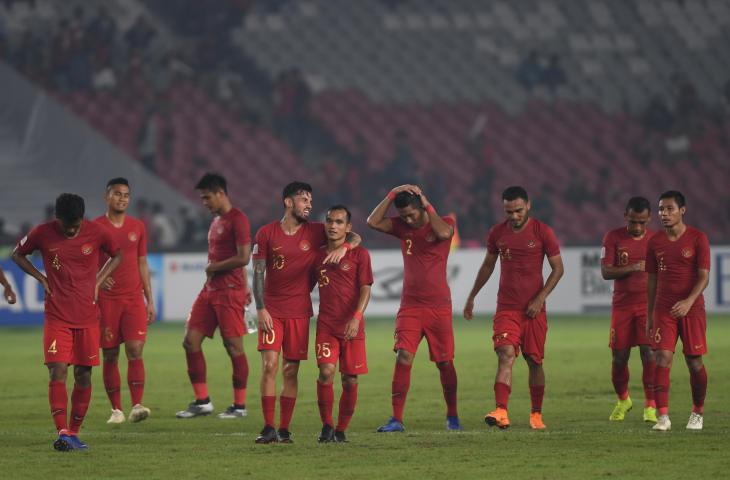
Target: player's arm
{"points": [[8, 292], [485, 272], [239, 260], [377, 219], [249, 297], [353, 326], [441, 229], [106, 271], [536, 304], [352, 240], [681, 308], [144, 273], [28, 267], [650, 299], [259, 275], [610, 272]]}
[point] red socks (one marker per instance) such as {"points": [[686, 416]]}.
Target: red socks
{"points": [[286, 410], [58, 400], [268, 405], [80, 398], [661, 390], [537, 392], [135, 380], [112, 384], [620, 379], [501, 394], [401, 384], [240, 379], [325, 400], [347, 406], [449, 383], [647, 379], [698, 382], [197, 374]]}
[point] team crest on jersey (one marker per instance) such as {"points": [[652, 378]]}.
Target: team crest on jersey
{"points": [[430, 237], [87, 249], [346, 266], [531, 244], [687, 252], [132, 236], [305, 246]]}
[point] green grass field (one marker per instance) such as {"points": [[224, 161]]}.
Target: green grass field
{"points": [[579, 442]]}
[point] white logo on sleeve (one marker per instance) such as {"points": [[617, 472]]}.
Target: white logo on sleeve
{"points": [[23, 240], [603, 252], [255, 249]]}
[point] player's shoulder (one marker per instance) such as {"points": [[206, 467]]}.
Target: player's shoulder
{"points": [[657, 238], [100, 220], [498, 228], [697, 234], [238, 213], [361, 253], [268, 228], [541, 228]]}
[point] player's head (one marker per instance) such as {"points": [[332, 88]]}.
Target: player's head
{"points": [[410, 208], [637, 216], [69, 212], [117, 195], [671, 208], [213, 192], [516, 205], [297, 198], [338, 222]]}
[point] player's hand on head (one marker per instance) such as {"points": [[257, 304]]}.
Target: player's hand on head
{"points": [[266, 324], [10, 296]]}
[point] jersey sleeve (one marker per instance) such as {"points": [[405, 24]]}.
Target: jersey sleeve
{"points": [[650, 261], [608, 250], [29, 243], [261, 247], [364, 268], [492, 241], [550, 244], [241, 230], [703, 252], [396, 227], [142, 244]]}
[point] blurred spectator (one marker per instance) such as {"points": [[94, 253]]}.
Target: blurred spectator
{"points": [[140, 34], [530, 71], [554, 75], [542, 206], [657, 116], [5, 237], [163, 230], [147, 140], [104, 78], [402, 167], [102, 29], [576, 192]]}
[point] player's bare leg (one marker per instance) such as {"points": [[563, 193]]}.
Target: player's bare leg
{"points": [[664, 360], [239, 363], [620, 380], [536, 380], [269, 368], [648, 363], [192, 343], [288, 397], [348, 400], [698, 382], [399, 390], [506, 356], [112, 383], [447, 374], [135, 379], [325, 401]]}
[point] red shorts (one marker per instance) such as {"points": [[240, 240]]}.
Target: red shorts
{"points": [[691, 329], [122, 319], [350, 353], [289, 336], [75, 346], [628, 327], [218, 308], [414, 323], [514, 327]]}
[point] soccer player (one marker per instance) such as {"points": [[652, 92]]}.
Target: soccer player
{"points": [[70, 248], [344, 292], [623, 254], [221, 302], [124, 314], [284, 256], [678, 263], [425, 308], [8, 292], [520, 323]]}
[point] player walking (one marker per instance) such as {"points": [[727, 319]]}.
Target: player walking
{"points": [[521, 243], [678, 263], [70, 248], [425, 308], [124, 314], [623, 254]]}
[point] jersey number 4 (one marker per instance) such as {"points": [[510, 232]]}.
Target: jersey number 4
{"points": [[52, 348]]}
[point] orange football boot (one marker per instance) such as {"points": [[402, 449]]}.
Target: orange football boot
{"points": [[536, 421], [497, 418]]}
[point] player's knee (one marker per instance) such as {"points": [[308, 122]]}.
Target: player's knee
{"points": [[190, 346], [233, 348], [349, 380], [290, 370], [506, 356], [57, 372], [441, 365], [694, 362], [134, 350], [326, 373], [111, 355], [82, 376], [405, 357], [269, 367]]}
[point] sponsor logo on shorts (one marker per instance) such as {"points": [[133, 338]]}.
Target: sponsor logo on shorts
{"points": [[359, 365], [305, 246], [91, 357], [132, 236], [87, 249], [140, 332], [697, 347], [687, 252]]}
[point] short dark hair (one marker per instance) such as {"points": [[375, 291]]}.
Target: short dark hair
{"points": [[406, 198], [69, 208], [341, 207], [514, 192], [212, 182], [638, 204], [674, 194], [116, 181], [295, 187]]}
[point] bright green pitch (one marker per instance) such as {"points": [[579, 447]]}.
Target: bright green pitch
{"points": [[580, 442]]}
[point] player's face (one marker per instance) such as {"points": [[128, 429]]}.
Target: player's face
{"points": [[300, 205], [117, 199], [336, 225], [669, 212], [517, 212], [70, 230], [413, 216], [636, 222], [213, 201]]}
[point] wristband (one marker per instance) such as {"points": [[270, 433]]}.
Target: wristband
{"points": [[430, 210], [357, 315], [390, 196], [347, 246]]}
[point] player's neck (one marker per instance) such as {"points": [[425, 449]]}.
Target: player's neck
{"points": [[333, 245], [290, 224], [116, 219], [225, 208], [676, 231], [522, 227]]}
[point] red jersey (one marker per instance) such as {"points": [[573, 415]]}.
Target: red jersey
{"points": [[225, 234], [521, 256], [71, 265], [131, 237], [339, 287], [424, 265], [676, 264], [289, 263], [620, 249]]}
